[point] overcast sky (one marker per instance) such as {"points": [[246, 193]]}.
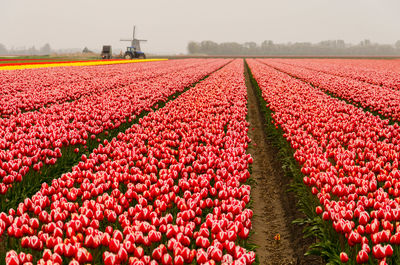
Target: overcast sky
{"points": [[169, 25]]}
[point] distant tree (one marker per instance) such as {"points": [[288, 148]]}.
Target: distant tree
{"points": [[267, 47], [227, 48], [250, 45], [325, 43], [86, 50], [340, 44], [209, 47], [193, 47], [267, 44], [46, 49], [397, 44], [365, 42], [32, 50], [3, 49]]}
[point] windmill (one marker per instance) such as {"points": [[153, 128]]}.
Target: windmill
{"points": [[134, 42]]}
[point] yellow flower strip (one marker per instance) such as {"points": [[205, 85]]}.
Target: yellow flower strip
{"points": [[88, 63]]}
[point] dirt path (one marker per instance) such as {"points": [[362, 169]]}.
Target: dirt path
{"points": [[274, 208]]}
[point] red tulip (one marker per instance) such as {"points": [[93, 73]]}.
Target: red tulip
{"points": [[122, 255], [388, 250], [139, 252], [110, 258], [378, 251], [343, 257], [201, 256], [166, 259], [178, 260]]}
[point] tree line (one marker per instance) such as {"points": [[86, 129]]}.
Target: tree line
{"points": [[32, 50], [46, 49], [268, 47]]}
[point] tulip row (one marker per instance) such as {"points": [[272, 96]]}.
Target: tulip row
{"points": [[73, 63], [349, 159], [378, 72], [377, 99], [170, 190], [32, 140], [45, 61], [32, 89]]}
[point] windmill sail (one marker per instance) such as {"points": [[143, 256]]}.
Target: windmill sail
{"points": [[134, 42]]}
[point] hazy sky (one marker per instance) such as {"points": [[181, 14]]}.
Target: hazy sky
{"points": [[169, 25]]}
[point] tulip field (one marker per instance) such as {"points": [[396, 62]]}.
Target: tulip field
{"points": [[149, 162], [348, 155], [170, 189]]}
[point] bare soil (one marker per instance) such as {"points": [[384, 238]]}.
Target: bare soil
{"points": [[274, 207]]}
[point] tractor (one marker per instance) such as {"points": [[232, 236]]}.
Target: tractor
{"points": [[131, 53]]}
